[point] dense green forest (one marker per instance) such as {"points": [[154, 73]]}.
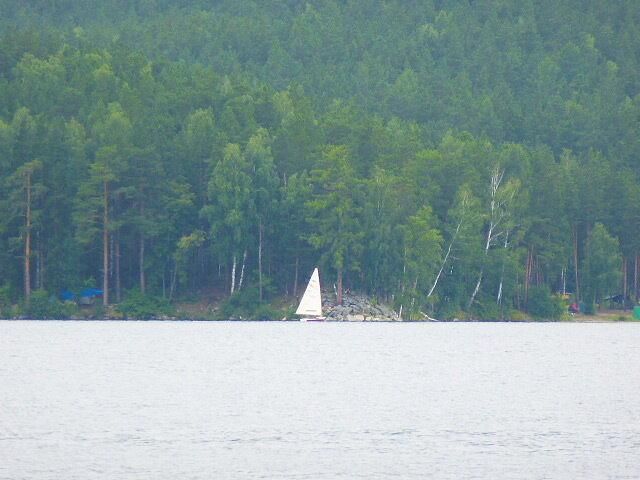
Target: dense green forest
{"points": [[447, 156]]}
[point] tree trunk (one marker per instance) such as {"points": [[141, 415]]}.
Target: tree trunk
{"points": [[486, 252], [115, 267], [233, 275], [116, 245], [495, 218], [518, 304], [143, 283], [260, 260], [527, 275], [339, 294], [575, 260], [174, 280], [506, 245], [476, 289], [635, 279], [40, 269], [444, 262], [404, 269], [244, 261], [105, 246], [295, 278], [27, 244], [624, 283]]}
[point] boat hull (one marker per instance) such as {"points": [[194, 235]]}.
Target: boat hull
{"points": [[313, 319]]}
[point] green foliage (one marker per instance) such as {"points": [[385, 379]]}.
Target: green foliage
{"points": [[518, 316], [334, 212], [487, 309], [422, 248], [44, 306], [138, 306], [256, 139], [7, 295], [590, 307], [542, 305], [601, 266], [245, 305]]}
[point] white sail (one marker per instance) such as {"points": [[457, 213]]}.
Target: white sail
{"points": [[311, 303]]}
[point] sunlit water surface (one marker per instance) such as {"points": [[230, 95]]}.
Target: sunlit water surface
{"points": [[134, 400]]}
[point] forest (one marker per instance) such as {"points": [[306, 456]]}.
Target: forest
{"points": [[467, 159]]}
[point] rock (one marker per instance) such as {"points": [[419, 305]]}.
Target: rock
{"points": [[357, 308]]}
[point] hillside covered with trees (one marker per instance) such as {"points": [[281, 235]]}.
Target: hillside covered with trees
{"points": [[446, 156]]}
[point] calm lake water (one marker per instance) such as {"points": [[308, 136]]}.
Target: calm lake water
{"points": [[183, 400]]}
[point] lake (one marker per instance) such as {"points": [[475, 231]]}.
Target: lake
{"points": [[225, 400]]}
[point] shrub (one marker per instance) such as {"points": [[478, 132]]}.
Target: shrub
{"points": [[246, 305], [139, 306], [518, 316], [43, 306], [542, 305], [451, 311], [7, 296], [487, 309], [266, 312], [589, 307]]}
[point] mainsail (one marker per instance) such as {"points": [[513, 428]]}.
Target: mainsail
{"points": [[311, 303]]}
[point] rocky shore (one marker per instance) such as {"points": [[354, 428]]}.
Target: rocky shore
{"points": [[358, 308]]}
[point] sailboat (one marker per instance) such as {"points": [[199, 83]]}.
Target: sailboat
{"points": [[311, 303]]}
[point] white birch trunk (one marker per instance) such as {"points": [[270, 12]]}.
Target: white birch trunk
{"points": [[506, 244], [494, 219], [174, 280], [244, 261], [233, 275], [444, 262]]}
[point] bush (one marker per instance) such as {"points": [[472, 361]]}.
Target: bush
{"points": [[542, 305], [266, 312], [486, 308], [43, 306], [451, 311], [139, 306], [246, 305], [589, 307], [518, 316], [7, 294]]}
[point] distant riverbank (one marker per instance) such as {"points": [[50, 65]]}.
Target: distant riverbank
{"points": [[355, 307]]}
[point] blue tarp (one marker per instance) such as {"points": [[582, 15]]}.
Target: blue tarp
{"points": [[85, 293], [67, 295], [90, 292]]}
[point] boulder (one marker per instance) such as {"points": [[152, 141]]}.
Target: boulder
{"points": [[357, 308]]}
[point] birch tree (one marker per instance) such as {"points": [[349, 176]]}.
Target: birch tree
{"points": [[461, 217], [423, 247], [499, 209], [231, 209]]}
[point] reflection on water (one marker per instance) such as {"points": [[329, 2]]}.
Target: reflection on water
{"points": [[123, 400]]}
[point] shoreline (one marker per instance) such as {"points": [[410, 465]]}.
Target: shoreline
{"points": [[581, 319]]}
